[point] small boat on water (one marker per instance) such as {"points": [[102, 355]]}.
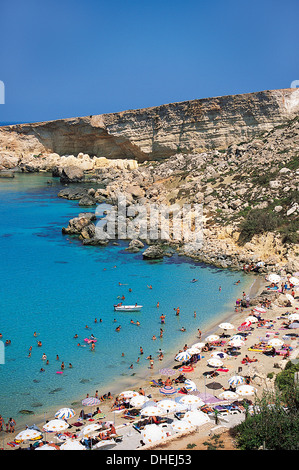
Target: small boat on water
{"points": [[127, 308]]}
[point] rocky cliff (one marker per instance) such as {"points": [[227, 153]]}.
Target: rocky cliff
{"points": [[153, 133]]}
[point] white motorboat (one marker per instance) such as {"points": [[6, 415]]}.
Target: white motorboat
{"points": [[127, 308]]}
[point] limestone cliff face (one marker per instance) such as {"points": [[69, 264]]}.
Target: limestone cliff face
{"points": [[157, 132]]}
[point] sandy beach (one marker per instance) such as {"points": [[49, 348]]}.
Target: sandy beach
{"points": [[232, 365]]}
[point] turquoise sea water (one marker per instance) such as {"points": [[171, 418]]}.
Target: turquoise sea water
{"points": [[52, 285]]}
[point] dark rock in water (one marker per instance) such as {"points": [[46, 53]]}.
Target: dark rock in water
{"points": [[36, 405], [55, 390], [71, 174], [26, 412], [36, 381], [72, 193], [6, 174], [87, 201], [153, 252], [84, 381]]}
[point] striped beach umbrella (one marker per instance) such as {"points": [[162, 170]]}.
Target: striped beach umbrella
{"points": [[65, 413], [91, 401], [183, 356], [244, 326], [189, 385], [167, 371], [236, 380], [260, 310], [168, 390], [186, 369]]}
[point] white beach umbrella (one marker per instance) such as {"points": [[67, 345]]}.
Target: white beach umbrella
{"points": [[245, 390], [196, 418], [293, 316], [228, 395], [180, 426], [212, 338], [152, 433], [65, 413], [183, 356], [129, 394], [192, 350], [138, 401], [275, 342], [290, 298], [237, 343], [260, 309], [219, 354], [252, 319], [47, 447], [191, 400], [214, 362], [190, 385], [89, 430], [28, 435], [72, 445], [198, 345], [167, 405], [151, 411], [273, 278], [237, 338], [294, 280], [236, 380], [226, 326], [55, 425]]}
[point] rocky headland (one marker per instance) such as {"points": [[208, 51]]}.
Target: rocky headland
{"points": [[234, 157]]}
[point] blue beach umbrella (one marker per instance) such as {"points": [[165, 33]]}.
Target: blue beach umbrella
{"points": [[65, 413], [236, 380]]}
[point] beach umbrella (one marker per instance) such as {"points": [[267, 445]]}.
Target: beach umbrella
{"points": [[294, 325], [260, 310], [191, 400], [214, 362], [72, 445], [244, 326], [55, 425], [236, 380], [190, 386], [138, 401], [152, 433], [237, 338], [294, 280], [275, 342], [273, 278], [252, 319], [214, 386], [212, 338], [91, 401], [151, 411], [149, 403], [183, 356], [181, 426], [168, 390], [198, 345], [48, 447], [129, 394], [237, 343], [293, 316], [219, 355], [228, 395], [65, 413], [28, 435], [89, 430], [196, 418], [192, 350], [290, 297], [226, 326], [166, 371], [167, 405], [186, 369], [245, 390]]}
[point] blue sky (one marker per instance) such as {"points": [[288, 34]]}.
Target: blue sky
{"points": [[66, 58]]}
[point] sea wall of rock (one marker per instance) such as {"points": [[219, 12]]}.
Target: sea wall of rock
{"points": [[152, 133]]}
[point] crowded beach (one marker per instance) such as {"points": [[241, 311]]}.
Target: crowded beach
{"points": [[209, 386]]}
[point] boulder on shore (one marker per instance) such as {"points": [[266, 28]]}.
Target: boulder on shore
{"points": [[153, 252], [71, 174]]}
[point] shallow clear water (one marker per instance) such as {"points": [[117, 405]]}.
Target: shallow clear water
{"points": [[52, 285]]}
